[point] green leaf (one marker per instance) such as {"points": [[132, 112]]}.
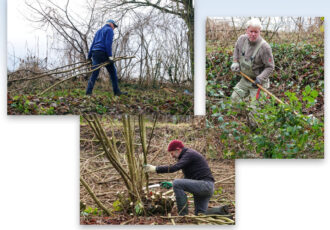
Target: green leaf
{"points": [[307, 89], [138, 208], [16, 98], [314, 93], [117, 205], [310, 99]]}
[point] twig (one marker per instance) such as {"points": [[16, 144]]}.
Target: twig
{"points": [[144, 147], [110, 180], [61, 67], [54, 71], [96, 170], [90, 140], [106, 193], [217, 182], [126, 222], [152, 131], [172, 220], [49, 73], [156, 155], [218, 219], [97, 201], [104, 64], [168, 192]]}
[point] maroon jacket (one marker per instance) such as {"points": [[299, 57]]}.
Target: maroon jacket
{"points": [[193, 165]]}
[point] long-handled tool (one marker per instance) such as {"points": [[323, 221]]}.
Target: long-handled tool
{"points": [[265, 90], [269, 93], [262, 88]]}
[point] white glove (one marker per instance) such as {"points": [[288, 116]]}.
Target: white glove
{"points": [[110, 58], [235, 67], [149, 168]]}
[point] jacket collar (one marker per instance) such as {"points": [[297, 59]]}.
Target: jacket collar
{"points": [[107, 25], [184, 150], [256, 42]]}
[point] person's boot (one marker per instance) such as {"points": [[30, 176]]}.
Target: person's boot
{"points": [[219, 210], [251, 123], [182, 205], [121, 93]]}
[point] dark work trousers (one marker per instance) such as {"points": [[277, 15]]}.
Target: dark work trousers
{"points": [[99, 57], [201, 190]]}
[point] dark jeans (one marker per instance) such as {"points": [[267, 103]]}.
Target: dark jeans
{"points": [[99, 57], [201, 190]]}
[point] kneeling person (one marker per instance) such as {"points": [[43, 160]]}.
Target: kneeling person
{"points": [[198, 179]]}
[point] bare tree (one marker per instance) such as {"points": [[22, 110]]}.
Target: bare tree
{"points": [[183, 9], [65, 24], [158, 40], [274, 28]]}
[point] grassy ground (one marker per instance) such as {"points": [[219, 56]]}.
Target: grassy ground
{"points": [[71, 99]]}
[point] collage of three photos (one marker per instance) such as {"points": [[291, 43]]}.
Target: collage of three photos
{"points": [[127, 69]]}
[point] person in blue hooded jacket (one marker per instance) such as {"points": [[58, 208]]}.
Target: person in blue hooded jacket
{"points": [[101, 51]]}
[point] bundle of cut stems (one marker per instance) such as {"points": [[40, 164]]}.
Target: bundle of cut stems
{"points": [[64, 69], [128, 165], [65, 72]]}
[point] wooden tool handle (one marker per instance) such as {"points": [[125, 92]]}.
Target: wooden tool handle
{"points": [[262, 88]]}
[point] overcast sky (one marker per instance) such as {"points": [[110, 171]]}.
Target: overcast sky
{"points": [[24, 39], [22, 36]]}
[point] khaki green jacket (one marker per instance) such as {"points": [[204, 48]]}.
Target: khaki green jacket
{"points": [[263, 64]]}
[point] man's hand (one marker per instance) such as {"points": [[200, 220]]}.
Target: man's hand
{"points": [[111, 59], [235, 67], [149, 168], [257, 81]]}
